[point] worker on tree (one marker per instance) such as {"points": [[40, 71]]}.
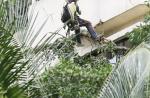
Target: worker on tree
{"points": [[71, 14]]}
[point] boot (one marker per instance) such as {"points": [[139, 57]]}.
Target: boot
{"points": [[79, 44], [100, 38]]}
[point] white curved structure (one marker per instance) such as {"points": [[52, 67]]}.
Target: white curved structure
{"points": [[123, 20]]}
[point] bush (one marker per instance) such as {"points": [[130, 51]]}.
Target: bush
{"points": [[139, 35], [67, 80]]}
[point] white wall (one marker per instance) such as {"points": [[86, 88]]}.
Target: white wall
{"points": [[92, 10]]}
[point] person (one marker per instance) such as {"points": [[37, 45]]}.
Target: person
{"points": [[81, 22]]}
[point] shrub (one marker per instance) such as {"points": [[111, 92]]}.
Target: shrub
{"points": [[68, 80]]}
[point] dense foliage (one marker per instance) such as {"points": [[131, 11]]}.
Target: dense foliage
{"points": [[74, 76], [139, 34], [64, 47], [68, 80]]}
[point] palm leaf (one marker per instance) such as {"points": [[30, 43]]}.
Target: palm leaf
{"points": [[130, 79], [10, 67], [29, 37]]}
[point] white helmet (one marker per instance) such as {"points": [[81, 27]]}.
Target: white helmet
{"points": [[69, 1]]}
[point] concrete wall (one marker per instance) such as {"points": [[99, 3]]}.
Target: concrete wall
{"points": [[92, 10]]}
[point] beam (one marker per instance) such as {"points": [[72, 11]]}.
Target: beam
{"points": [[122, 21]]}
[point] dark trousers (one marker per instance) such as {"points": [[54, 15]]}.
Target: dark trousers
{"points": [[89, 27]]}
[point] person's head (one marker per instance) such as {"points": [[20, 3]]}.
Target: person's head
{"points": [[69, 1], [75, 0]]}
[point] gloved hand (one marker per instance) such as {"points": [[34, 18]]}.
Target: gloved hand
{"points": [[64, 26], [68, 34], [76, 27]]}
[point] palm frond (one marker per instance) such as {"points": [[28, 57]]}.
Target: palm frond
{"points": [[29, 36], [130, 79], [11, 65]]}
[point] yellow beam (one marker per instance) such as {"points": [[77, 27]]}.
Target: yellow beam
{"points": [[123, 20]]}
